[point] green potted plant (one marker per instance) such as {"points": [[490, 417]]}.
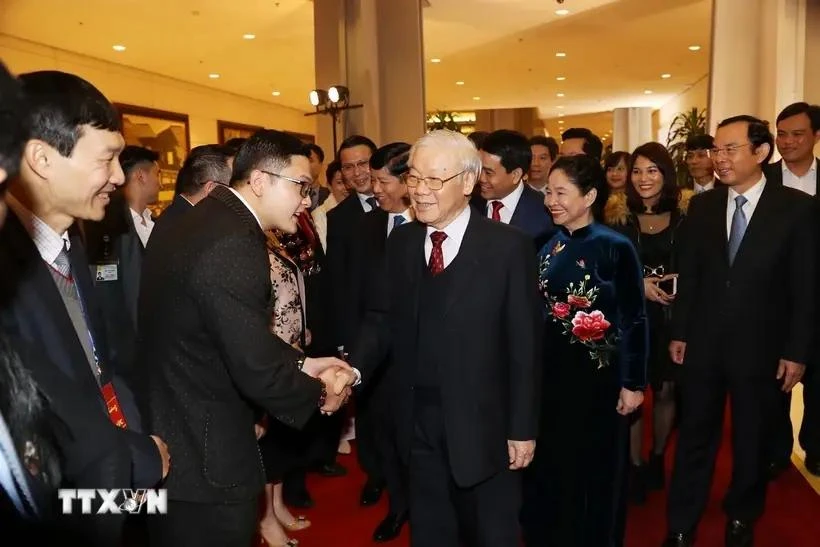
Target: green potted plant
{"points": [[441, 120], [684, 125]]}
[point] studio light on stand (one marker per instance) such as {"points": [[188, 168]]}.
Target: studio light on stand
{"points": [[331, 102]]}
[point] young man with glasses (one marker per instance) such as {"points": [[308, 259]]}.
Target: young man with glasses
{"points": [[699, 163]]}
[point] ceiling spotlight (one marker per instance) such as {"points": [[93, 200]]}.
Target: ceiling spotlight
{"points": [[249, 36], [213, 76], [118, 47], [560, 54], [459, 82], [476, 98], [560, 122], [560, 106], [435, 60], [561, 78], [562, 12], [694, 48], [276, 93], [647, 92], [338, 94], [559, 94], [666, 76], [560, 115], [317, 97]]}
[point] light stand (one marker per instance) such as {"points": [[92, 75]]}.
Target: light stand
{"points": [[331, 102]]}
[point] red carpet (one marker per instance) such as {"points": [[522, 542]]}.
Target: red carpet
{"points": [[792, 517]]}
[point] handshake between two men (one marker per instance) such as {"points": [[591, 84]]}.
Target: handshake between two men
{"points": [[338, 377]]}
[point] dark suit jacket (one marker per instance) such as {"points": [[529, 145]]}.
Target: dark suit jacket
{"points": [[762, 307], [32, 307], [490, 390], [341, 224], [114, 240], [208, 352], [178, 207], [774, 173], [530, 215]]}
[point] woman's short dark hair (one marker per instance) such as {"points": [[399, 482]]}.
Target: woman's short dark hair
{"points": [[393, 156], [670, 193], [613, 159], [586, 173], [332, 168]]}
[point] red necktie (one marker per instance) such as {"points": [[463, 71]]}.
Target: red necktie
{"points": [[436, 263], [497, 205]]}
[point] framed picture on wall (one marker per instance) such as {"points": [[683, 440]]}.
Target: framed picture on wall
{"points": [[166, 133], [229, 130]]}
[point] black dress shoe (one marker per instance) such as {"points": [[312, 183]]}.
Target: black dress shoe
{"points": [[813, 465], [300, 500], [390, 527], [679, 539], [331, 470], [371, 493], [739, 533]]}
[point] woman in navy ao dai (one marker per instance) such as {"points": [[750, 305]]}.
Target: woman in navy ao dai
{"points": [[594, 368]]}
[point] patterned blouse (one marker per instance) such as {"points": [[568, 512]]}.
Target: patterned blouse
{"points": [[288, 317]]}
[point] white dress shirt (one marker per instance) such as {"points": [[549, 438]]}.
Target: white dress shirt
{"points": [[363, 200], [391, 219], [542, 189], [699, 189], [510, 203], [143, 223], [455, 234], [807, 183], [319, 215], [48, 242], [752, 196], [248, 205]]}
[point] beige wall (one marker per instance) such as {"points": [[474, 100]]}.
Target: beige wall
{"points": [[524, 120], [811, 81], [127, 85], [695, 96]]}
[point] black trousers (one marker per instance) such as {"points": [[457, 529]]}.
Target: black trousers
{"points": [[393, 468], [367, 427], [756, 409], [445, 515], [204, 525]]}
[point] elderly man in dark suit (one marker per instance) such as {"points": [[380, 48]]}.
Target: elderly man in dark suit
{"points": [[743, 325], [505, 196], [208, 351], [46, 289], [457, 313], [798, 132]]}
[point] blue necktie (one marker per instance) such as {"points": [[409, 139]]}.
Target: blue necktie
{"points": [[398, 220], [738, 228]]}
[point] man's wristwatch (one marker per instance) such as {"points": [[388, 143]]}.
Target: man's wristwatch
{"points": [[300, 363]]}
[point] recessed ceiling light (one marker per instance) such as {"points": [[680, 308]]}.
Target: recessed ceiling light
{"points": [[118, 47], [476, 98], [694, 48], [560, 115], [459, 82], [560, 106], [560, 54], [560, 121], [559, 94], [561, 78], [666, 76], [562, 12], [276, 93], [213, 76], [647, 92], [435, 60], [249, 36]]}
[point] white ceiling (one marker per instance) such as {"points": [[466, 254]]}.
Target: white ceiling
{"points": [[504, 50]]}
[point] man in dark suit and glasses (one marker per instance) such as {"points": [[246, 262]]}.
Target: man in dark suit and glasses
{"points": [[457, 313], [68, 170], [798, 131], [210, 357], [743, 325], [505, 196]]}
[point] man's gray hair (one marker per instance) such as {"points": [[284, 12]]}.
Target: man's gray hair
{"points": [[453, 144]]}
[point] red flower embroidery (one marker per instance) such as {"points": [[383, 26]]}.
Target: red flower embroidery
{"points": [[560, 310], [589, 326], [578, 301]]}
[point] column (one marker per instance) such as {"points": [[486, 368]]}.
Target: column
{"points": [[375, 49], [631, 127], [758, 58], [525, 120]]}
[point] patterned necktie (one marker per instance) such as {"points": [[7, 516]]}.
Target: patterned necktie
{"points": [[61, 263], [436, 264], [738, 228], [373, 203], [497, 206], [398, 220]]}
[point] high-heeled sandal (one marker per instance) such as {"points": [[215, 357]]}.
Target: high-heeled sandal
{"points": [[289, 543], [299, 523]]}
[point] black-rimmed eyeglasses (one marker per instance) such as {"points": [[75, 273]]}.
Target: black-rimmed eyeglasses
{"points": [[304, 186]]}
